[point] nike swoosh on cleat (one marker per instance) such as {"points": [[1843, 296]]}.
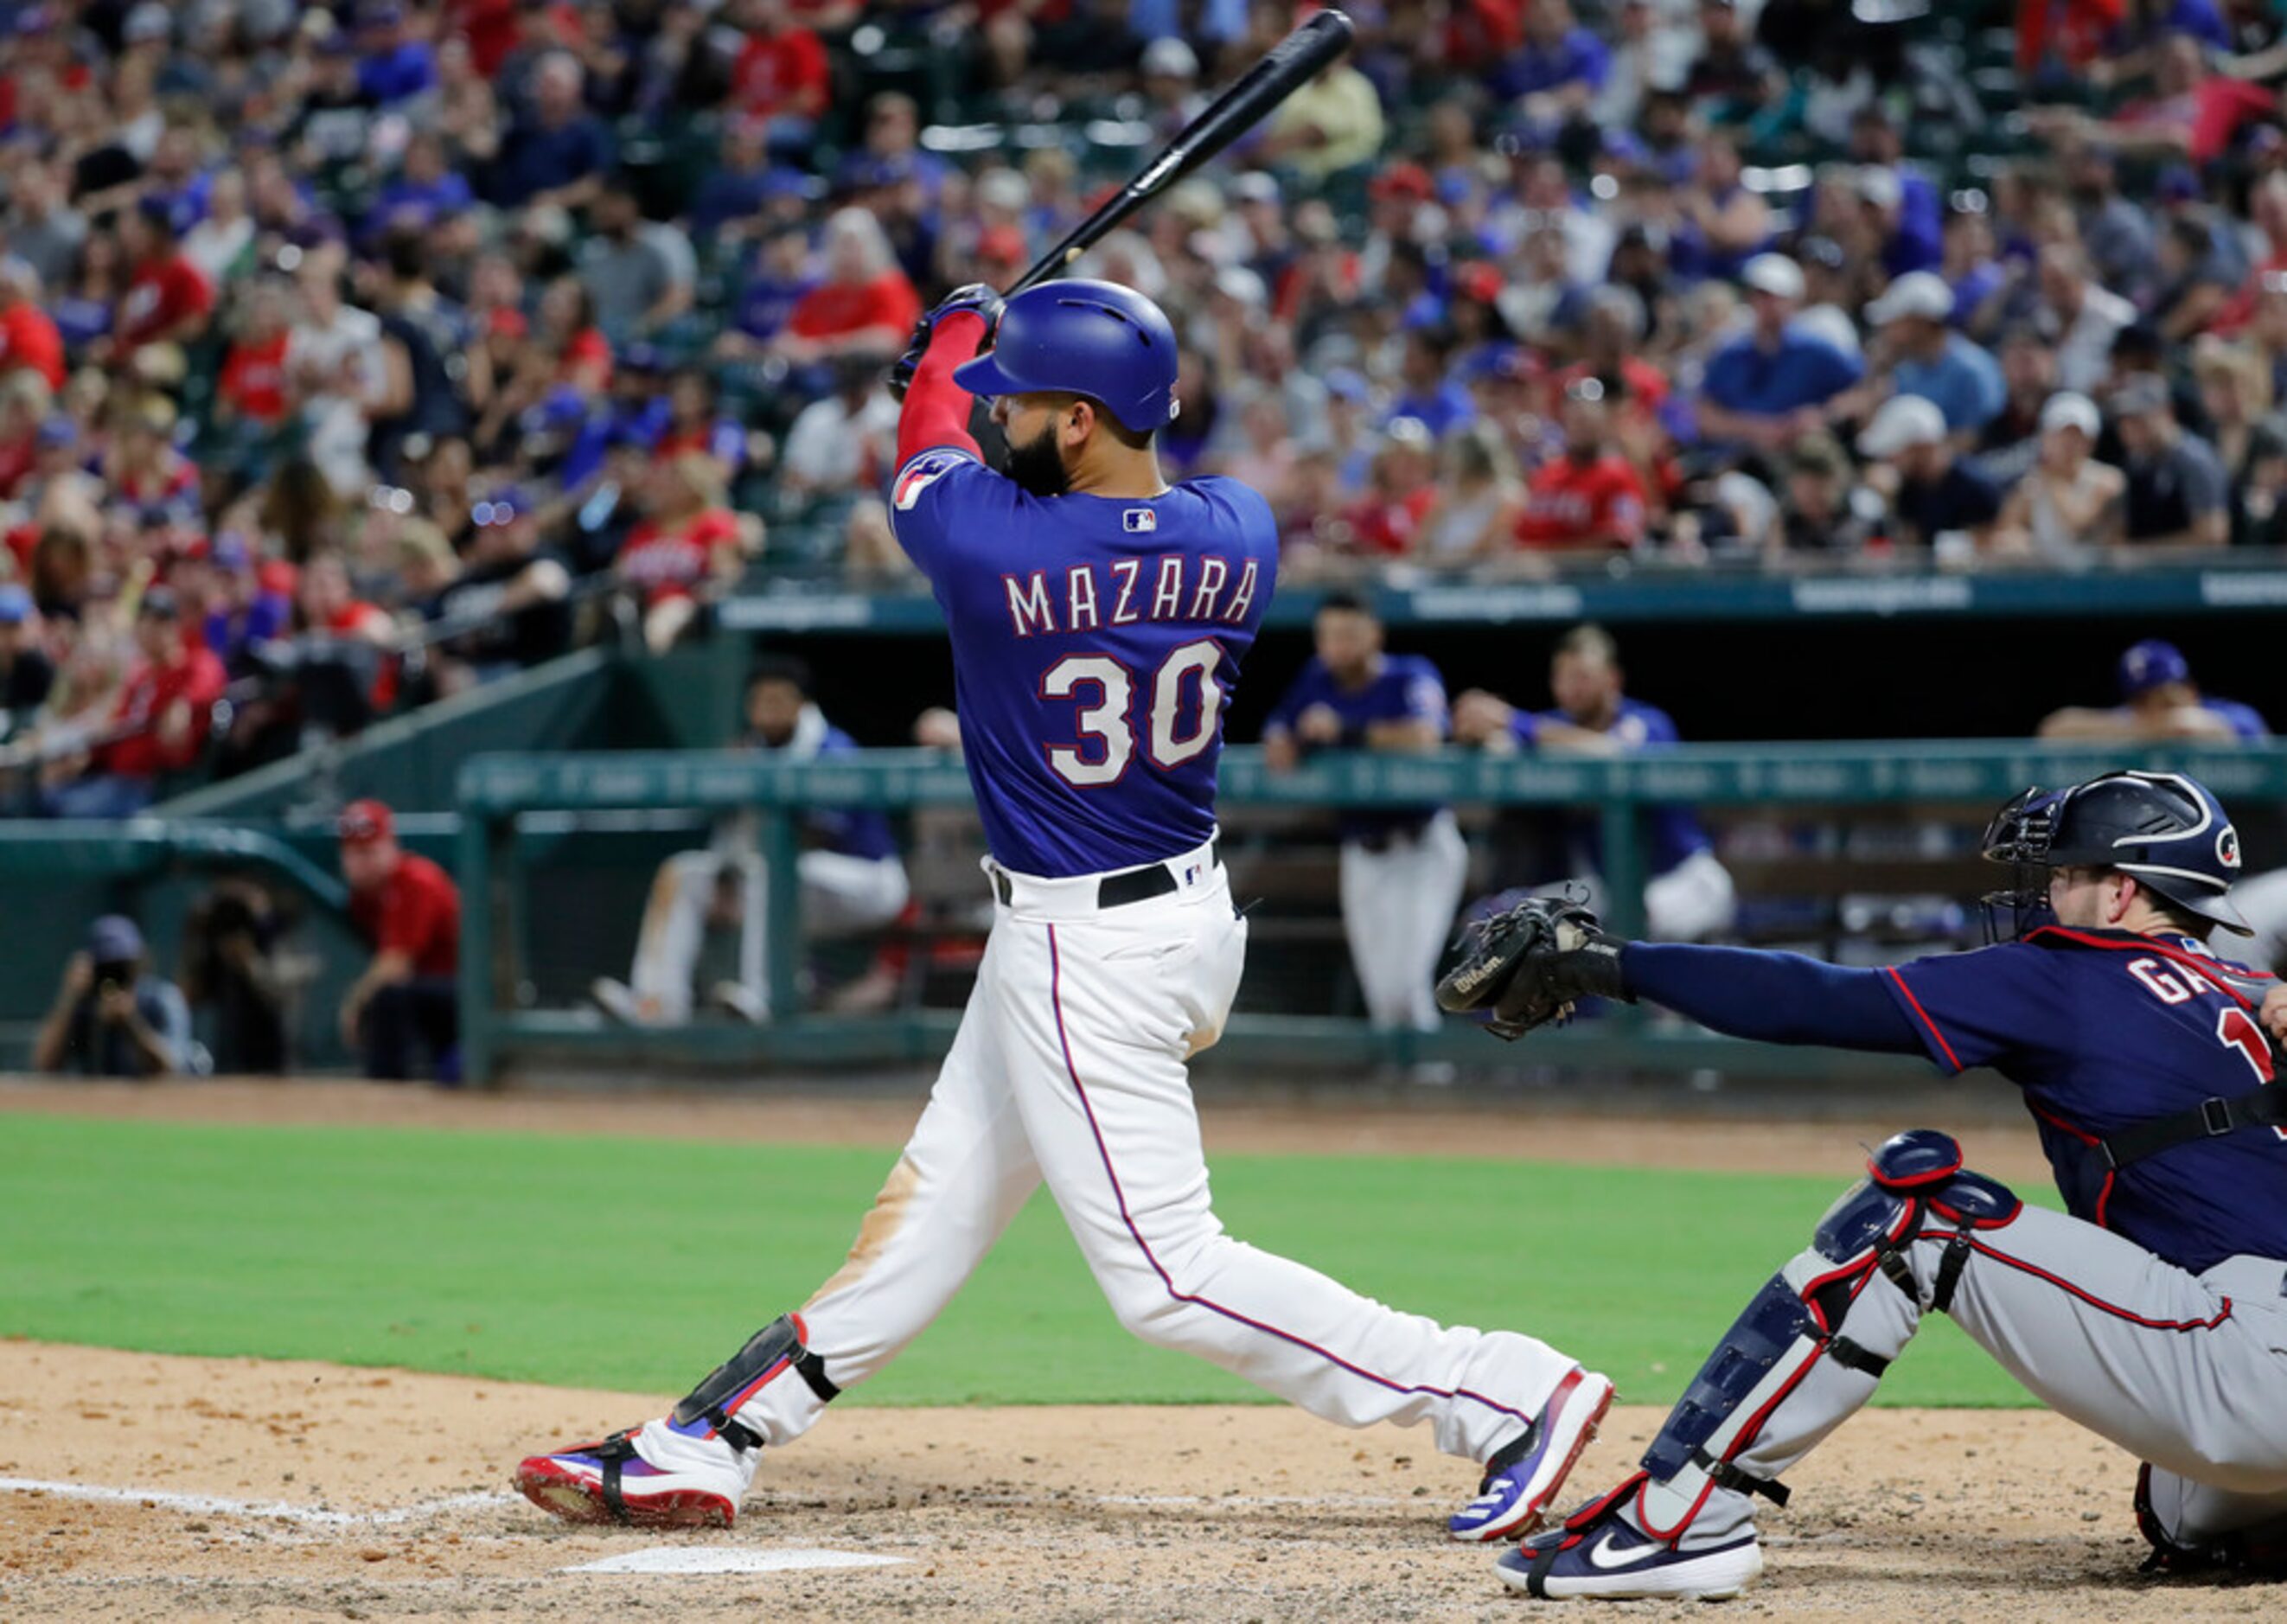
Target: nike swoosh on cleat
{"points": [[1601, 1555]]}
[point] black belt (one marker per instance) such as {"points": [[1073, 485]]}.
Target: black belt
{"points": [[1119, 890], [2264, 1107]]}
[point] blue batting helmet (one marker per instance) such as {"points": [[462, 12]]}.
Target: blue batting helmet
{"points": [[1096, 339]]}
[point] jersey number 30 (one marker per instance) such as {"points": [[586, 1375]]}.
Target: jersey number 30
{"points": [[1179, 722]]}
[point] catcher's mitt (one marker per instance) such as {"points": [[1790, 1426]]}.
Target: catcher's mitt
{"points": [[1530, 965]]}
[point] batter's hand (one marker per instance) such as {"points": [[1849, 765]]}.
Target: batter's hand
{"points": [[2274, 1014], [976, 296]]}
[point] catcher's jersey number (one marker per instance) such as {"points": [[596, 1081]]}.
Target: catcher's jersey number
{"points": [[1182, 702]]}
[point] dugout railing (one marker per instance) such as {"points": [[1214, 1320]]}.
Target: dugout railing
{"points": [[512, 805]]}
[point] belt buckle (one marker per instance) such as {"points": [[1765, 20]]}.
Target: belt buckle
{"points": [[2215, 1113]]}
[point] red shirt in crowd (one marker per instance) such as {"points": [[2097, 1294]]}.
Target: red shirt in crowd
{"points": [[833, 309], [415, 911], [17, 457], [253, 382], [662, 563], [151, 691], [1388, 525], [2210, 114], [1580, 505], [588, 349], [28, 338], [161, 293], [786, 72]]}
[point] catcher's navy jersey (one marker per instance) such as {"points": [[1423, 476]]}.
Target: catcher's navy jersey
{"points": [[2106, 1029], [1094, 641]]}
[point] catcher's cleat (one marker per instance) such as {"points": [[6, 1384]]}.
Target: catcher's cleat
{"points": [[1528, 1472], [1597, 1552], [665, 1474]]}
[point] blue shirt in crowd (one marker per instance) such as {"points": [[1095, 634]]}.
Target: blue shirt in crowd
{"points": [[1802, 370], [1965, 382]]}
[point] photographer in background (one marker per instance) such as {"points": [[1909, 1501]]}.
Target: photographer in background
{"points": [[230, 962], [112, 1017]]}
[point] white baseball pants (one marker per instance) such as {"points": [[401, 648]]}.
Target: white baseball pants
{"points": [[1069, 1068], [841, 896], [1398, 904], [2184, 1371], [1690, 903]]}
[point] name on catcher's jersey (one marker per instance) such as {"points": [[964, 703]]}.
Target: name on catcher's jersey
{"points": [[2104, 1030], [1096, 641]]}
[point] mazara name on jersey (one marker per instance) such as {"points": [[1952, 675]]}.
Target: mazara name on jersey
{"points": [[1126, 591]]}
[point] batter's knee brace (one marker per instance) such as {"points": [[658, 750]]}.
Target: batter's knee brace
{"points": [[1793, 1323], [768, 1354]]}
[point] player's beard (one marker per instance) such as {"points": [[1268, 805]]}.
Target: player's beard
{"points": [[1035, 464]]}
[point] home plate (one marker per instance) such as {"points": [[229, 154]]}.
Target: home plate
{"points": [[730, 1559]]}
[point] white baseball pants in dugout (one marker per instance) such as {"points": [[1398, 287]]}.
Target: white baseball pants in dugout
{"points": [[1069, 1067], [1398, 904]]}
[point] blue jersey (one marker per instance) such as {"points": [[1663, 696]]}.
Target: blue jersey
{"points": [[854, 831], [1095, 642], [1405, 688], [1675, 831], [2103, 1030]]}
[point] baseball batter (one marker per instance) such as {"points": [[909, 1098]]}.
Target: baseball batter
{"points": [[1097, 618], [2156, 1314]]}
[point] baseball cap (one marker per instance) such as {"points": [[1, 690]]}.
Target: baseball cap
{"points": [[114, 938], [159, 604], [1904, 422], [1403, 180], [1255, 187], [1917, 294], [1170, 58], [59, 429], [1880, 186], [2140, 393], [15, 605], [2067, 409], [1775, 274], [363, 822], [2151, 664]]}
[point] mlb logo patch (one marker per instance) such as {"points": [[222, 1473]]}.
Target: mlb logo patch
{"points": [[1138, 520]]}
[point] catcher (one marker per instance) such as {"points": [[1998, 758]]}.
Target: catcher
{"points": [[2156, 1315]]}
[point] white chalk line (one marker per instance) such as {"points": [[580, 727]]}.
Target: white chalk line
{"points": [[730, 1559], [216, 1505]]}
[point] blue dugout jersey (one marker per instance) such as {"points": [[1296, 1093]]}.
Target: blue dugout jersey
{"points": [[2104, 1030], [1675, 831], [1405, 688], [1096, 640]]}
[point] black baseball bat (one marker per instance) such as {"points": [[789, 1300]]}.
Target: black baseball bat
{"points": [[1285, 69]]}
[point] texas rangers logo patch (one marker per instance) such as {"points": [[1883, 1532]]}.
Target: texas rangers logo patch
{"points": [[2228, 846], [916, 476], [1137, 521]]}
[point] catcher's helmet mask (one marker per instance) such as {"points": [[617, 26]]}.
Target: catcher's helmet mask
{"points": [[2163, 829]]}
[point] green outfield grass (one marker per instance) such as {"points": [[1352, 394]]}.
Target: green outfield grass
{"points": [[637, 1264]]}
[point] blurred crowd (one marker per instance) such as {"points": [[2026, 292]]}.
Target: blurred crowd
{"points": [[354, 357]]}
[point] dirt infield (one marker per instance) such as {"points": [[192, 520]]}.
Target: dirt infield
{"points": [[287, 1491], [141, 1487]]}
